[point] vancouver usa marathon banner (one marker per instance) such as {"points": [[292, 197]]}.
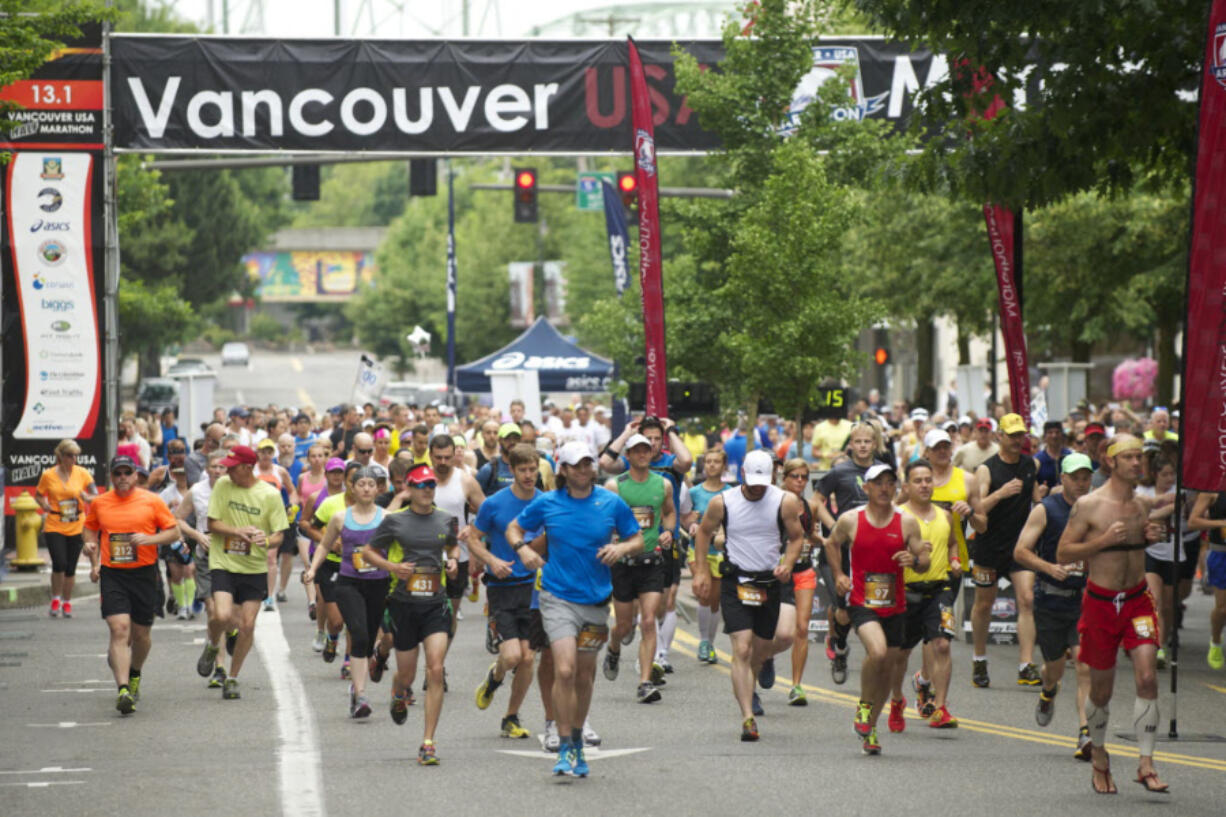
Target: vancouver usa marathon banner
{"points": [[51, 259], [176, 93]]}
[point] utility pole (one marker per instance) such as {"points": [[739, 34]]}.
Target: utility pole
{"points": [[611, 21]]}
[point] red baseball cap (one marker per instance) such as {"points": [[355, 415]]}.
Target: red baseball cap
{"points": [[420, 474], [983, 422], [239, 455], [1096, 428]]}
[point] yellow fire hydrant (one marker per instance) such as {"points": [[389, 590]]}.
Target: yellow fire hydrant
{"points": [[28, 523]]}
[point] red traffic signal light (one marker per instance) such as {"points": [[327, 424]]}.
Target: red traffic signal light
{"points": [[881, 355], [525, 195], [627, 183], [628, 189]]}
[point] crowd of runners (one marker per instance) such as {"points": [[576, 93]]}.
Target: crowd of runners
{"points": [[893, 519]]}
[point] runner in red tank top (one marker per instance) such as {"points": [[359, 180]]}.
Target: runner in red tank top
{"points": [[881, 543]]}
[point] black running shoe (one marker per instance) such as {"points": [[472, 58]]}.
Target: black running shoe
{"points": [[231, 640]]}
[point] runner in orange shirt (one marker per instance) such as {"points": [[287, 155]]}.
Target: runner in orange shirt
{"points": [[123, 530], [63, 492]]}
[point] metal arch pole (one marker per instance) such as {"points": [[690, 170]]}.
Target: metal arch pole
{"points": [[110, 252]]}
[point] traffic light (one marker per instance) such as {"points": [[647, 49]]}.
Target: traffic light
{"points": [[628, 189], [881, 355], [525, 195], [423, 177], [305, 182]]}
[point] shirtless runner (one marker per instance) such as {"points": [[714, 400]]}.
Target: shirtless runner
{"points": [[1109, 529]]}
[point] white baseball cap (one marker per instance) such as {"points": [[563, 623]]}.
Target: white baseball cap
{"points": [[574, 452], [919, 414], [637, 439], [759, 468], [877, 470], [935, 437]]}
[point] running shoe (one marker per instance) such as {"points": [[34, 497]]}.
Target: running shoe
{"points": [[1161, 657], [1084, 745], [511, 728], [590, 737], [426, 755], [755, 706], [897, 720], [838, 668], [231, 640], [219, 678], [552, 740], [182, 616], [318, 644], [628, 638], [206, 661], [487, 687], [55, 609], [941, 719], [796, 697], [647, 693], [329, 649], [664, 662], [766, 675], [281, 598], [197, 607], [749, 730], [459, 615], [229, 691], [269, 606], [871, 745], [125, 703], [311, 611], [378, 666], [925, 701], [580, 767], [609, 668], [491, 637], [829, 647], [860, 722], [1046, 707], [1028, 676], [712, 658], [134, 685], [1215, 658], [704, 651], [400, 709], [67, 609], [360, 708], [172, 606], [346, 672], [657, 674], [566, 760], [979, 674]]}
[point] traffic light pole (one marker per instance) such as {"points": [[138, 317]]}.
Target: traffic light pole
{"points": [[673, 192]]}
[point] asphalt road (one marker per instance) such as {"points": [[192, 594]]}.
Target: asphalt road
{"points": [[288, 747]]}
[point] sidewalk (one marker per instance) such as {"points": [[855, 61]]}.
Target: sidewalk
{"points": [[32, 588]]}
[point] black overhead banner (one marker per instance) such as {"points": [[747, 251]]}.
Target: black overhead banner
{"points": [[434, 96]]}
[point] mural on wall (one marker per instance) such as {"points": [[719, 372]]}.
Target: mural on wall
{"points": [[310, 275]]}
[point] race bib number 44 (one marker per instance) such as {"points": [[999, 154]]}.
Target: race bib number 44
{"points": [[68, 510]]}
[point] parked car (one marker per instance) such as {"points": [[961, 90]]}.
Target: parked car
{"points": [[235, 353], [156, 394], [419, 394], [188, 365]]}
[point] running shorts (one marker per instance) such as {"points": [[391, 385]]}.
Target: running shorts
{"points": [[1114, 618]]}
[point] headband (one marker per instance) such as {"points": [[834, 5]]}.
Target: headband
{"points": [[1130, 444]]}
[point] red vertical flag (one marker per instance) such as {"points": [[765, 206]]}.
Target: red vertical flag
{"points": [[1203, 385], [649, 235]]}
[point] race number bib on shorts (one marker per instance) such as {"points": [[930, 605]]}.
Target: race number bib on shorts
{"points": [[879, 589], [237, 546], [122, 549], [426, 583], [645, 515], [68, 510], [592, 637], [1144, 627], [751, 595], [360, 564], [947, 621], [983, 576]]}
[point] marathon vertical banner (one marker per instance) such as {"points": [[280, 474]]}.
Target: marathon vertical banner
{"points": [[451, 279], [650, 272], [51, 263], [1000, 236], [619, 236], [1203, 386]]}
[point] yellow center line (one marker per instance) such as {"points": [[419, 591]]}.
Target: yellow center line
{"points": [[984, 727], [304, 399], [1217, 689], [295, 364]]}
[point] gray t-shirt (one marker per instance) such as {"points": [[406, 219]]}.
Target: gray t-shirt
{"points": [[409, 536]]}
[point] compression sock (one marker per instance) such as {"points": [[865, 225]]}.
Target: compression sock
{"points": [[708, 622], [189, 590], [667, 630], [1145, 722], [176, 590], [135, 673], [1096, 721], [576, 736]]}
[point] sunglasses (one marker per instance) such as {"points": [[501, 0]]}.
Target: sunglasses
{"points": [[797, 475], [123, 472], [364, 450], [427, 486]]}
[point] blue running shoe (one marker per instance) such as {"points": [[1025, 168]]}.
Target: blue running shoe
{"points": [[566, 760], [580, 768]]}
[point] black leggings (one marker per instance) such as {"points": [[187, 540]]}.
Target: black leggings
{"points": [[361, 602], [65, 551]]}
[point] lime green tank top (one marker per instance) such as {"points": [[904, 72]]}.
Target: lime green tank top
{"points": [[646, 499]]}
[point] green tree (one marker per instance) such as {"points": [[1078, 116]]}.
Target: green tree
{"points": [[151, 317]]}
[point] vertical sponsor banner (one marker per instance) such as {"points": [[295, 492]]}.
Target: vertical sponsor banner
{"points": [[451, 280], [1203, 385], [1001, 238], [554, 274], [619, 236], [650, 273], [520, 275], [51, 267]]}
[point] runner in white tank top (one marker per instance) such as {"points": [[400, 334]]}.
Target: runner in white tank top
{"points": [[458, 494]]}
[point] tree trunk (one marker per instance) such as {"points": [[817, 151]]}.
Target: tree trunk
{"points": [[1168, 361], [149, 362], [964, 348], [751, 434], [925, 340]]}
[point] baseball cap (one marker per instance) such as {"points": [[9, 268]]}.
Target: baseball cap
{"points": [[377, 471], [300, 416], [935, 437], [1053, 425], [238, 411], [637, 439], [1012, 424], [335, 464], [983, 422], [267, 442], [1096, 428], [964, 420], [759, 467], [877, 470], [919, 414], [507, 429], [1075, 462], [420, 474], [239, 455], [574, 452], [122, 461]]}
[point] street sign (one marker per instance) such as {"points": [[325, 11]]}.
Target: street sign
{"points": [[588, 198]]}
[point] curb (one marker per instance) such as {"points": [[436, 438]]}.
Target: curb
{"points": [[13, 597]]}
